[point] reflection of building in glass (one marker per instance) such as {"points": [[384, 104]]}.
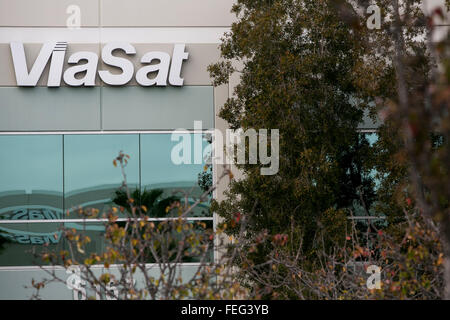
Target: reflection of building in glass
{"points": [[57, 144], [69, 172]]}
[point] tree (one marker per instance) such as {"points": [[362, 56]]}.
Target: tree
{"points": [[302, 75], [311, 69], [411, 263], [419, 112], [132, 244], [150, 199]]}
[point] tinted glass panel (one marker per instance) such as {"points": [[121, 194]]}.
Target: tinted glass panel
{"points": [[31, 180], [90, 178], [25, 241], [160, 171]]}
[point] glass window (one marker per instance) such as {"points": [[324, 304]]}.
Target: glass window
{"points": [[25, 241], [160, 171], [31, 181], [372, 138], [90, 178], [44, 176], [24, 238]]}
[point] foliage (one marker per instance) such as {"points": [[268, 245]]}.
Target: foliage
{"points": [[310, 69], [150, 199], [301, 73], [145, 248], [205, 178], [420, 114], [412, 264]]}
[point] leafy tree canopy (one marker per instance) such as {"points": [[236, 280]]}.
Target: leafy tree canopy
{"points": [[303, 70]]}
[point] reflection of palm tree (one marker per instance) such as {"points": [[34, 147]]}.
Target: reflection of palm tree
{"points": [[156, 206], [152, 199]]}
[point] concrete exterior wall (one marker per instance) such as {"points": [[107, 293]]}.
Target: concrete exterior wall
{"points": [[115, 13], [15, 279], [149, 26], [45, 109], [194, 69], [105, 108], [48, 109], [78, 109]]}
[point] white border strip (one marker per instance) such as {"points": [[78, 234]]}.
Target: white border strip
{"points": [[101, 220], [7, 133], [104, 35], [95, 266]]}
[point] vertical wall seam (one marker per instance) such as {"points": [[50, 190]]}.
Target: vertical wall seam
{"points": [[100, 48], [63, 178]]}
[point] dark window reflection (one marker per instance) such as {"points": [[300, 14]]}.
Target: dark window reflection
{"points": [[26, 241]]}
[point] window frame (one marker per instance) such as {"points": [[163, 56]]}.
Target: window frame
{"points": [[212, 218]]}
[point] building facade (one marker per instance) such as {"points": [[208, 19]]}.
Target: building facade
{"points": [[78, 84]]}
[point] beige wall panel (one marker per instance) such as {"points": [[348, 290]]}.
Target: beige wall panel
{"points": [[8, 77], [220, 97], [46, 13], [166, 13], [235, 78]]}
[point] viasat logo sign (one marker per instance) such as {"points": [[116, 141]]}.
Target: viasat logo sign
{"points": [[85, 64]]}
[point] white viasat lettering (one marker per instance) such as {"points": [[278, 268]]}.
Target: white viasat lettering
{"points": [[89, 68], [85, 64], [162, 68]]}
